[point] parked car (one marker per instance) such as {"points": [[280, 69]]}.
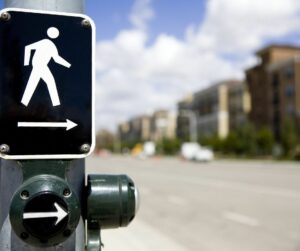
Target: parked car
{"points": [[193, 151]]}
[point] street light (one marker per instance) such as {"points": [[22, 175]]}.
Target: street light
{"points": [[192, 116]]}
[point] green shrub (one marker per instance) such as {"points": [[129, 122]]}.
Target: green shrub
{"points": [[212, 141], [289, 136], [265, 141], [168, 146]]}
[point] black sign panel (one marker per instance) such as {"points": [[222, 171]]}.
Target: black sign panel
{"points": [[46, 85]]}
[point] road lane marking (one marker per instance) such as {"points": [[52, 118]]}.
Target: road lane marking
{"points": [[247, 187], [242, 219]]}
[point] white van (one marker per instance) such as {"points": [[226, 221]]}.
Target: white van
{"points": [[149, 148], [193, 151]]}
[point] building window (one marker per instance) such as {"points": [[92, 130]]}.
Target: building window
{"points": [[289, 72], [275, 80], [289, 90]]}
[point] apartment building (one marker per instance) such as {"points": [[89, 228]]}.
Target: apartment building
{"points": [[239, 104], [161, 124], [215, 110], [184, 129], [274, 85], [136, 129]]}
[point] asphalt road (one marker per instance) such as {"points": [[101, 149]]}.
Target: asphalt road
{"points": [[217, 206]]}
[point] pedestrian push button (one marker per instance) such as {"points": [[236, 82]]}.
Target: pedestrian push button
{"points": [[44, 211]]}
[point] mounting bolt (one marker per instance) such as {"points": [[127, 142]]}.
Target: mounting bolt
{"points": [[85, 23], [24, 195], [4, 148], [85, 148], [5, 16], [67, 192]]}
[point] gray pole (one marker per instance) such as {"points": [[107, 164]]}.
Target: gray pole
{"points": [[11, 175], [75, 6], [192, 124]]}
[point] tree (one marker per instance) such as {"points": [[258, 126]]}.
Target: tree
{"points": [[104, 140], [265, 141], [168, 146], [289, 136], [212, 141], [242, 141], [231, 143], [247, 140]]}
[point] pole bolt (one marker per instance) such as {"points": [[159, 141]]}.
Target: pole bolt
{"points": [[85, 23], [4, 148], [5, 16], [24, 195], [66, 192], [85, 148]]}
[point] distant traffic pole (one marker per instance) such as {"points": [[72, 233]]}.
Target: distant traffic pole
{"points": [[193, 130], [11, 175]]}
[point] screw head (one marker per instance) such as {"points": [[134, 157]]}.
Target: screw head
{"points": [[5, 16], [24, 195], [67, 192], [85, 148], [4, 148], [85, 23]]}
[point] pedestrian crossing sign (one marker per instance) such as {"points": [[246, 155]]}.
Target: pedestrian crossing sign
{"points": [[46, 85]]}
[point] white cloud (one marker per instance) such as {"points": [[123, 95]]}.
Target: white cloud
{"points": [[141, 13], [134, 78], [241, 26]]}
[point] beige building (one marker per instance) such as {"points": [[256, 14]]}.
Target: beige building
{"points": [[211, 106], [239, 104], [274, 85], [216, 109], [184, 129], [160, 125], [135, 130], [163, 125]]}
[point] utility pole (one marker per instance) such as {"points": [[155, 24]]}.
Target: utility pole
{"points": [[192, 117], [44, 202]]}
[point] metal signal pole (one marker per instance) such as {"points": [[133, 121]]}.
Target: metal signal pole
{"points": [[12, 172], [44, 201]]}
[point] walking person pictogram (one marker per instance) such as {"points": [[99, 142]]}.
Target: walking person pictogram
{"points": [[45, 50]]}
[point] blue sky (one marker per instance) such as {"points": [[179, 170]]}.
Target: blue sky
{"points": [[171, 17], [152, 53]]}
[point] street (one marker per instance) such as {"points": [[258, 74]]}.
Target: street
{"points": [[218, 206]]}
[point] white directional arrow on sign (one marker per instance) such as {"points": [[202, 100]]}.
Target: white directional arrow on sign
{"points": [[68, 124], [60, 214]]}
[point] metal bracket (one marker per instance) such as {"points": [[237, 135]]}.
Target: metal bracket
{"points": [[93, 239]]}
